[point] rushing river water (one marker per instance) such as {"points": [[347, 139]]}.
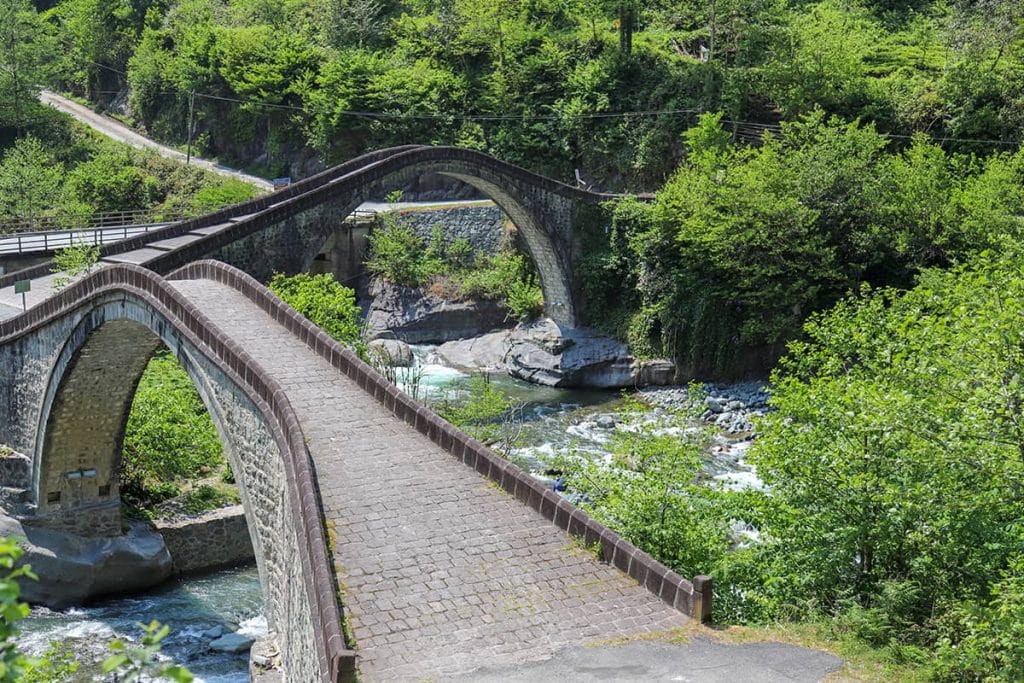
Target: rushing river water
{"points": [[553, 420], [229, 599]]}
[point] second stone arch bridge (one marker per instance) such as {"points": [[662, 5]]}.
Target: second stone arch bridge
{"points": [[365, 508], [286, 230]]}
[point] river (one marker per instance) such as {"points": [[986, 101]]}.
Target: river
{"points": [[553, 420]]}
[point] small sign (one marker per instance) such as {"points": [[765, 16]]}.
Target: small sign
{"points": [[21, 287], [281, 183]]}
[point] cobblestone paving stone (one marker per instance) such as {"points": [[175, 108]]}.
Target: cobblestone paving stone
{"points": [[441, 571]]}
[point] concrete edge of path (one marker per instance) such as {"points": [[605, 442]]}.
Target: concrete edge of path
{"points": [[703, 658]]}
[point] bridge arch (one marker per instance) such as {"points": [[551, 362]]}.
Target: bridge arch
{"points": [[85, 411], [286, 231], [83, 353], [544, 221]]}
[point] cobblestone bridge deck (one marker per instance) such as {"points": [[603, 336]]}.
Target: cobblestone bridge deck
{"points": [[441, 571]]}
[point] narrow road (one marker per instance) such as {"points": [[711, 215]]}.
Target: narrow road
{"points": [[122, 133]]}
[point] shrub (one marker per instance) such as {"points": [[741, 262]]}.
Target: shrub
{"points": [[328, 304]]}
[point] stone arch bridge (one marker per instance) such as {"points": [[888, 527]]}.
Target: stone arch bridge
{"points": [[284, 231], [390, 544]]}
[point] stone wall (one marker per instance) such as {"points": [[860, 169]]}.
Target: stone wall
{"points": [[215, 539], [482, 226]]}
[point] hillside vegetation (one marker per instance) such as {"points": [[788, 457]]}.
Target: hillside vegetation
{"points": [[299, 72]]}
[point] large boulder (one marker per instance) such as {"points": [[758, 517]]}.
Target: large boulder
{"points": [[391, 352], [73, 569], [485, 353], [416, 317], [546, 353]]}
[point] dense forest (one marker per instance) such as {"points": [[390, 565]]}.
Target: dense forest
{"points": [[839, 183], [531, 81]]}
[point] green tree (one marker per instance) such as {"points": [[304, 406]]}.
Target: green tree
{"points": [[169, 436], [71, 262], [30, 181], [26, 53], [111, 182], [895, 456]]}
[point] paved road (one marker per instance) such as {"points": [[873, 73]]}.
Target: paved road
{"points": [[701, 660], [118, 131]]}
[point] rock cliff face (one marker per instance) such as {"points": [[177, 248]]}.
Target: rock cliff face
{"points": [[415, 317]]}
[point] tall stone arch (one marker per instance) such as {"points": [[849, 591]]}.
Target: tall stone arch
{"points": [[546, 213], [70, 370]]}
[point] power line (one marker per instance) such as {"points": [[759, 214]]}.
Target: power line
{"points": [[447, 117]]}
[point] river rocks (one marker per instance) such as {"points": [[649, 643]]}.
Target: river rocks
{"points": [[214, 633], [233, 643], [545, 353], [73, 569], [417, 317], [485, 353], [730, 407], [391, 352]]}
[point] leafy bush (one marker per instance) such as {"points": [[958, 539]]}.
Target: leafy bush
{"points": [[213, 196], [396, 254], [323, 300], [169, 436], [482, 410], [73, 261], [206, 497], [525, 299], [652, 493]]}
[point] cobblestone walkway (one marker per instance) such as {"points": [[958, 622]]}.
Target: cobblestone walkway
{"points": [[442, 573]]}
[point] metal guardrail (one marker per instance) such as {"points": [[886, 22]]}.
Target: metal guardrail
{"points": [[107, 219], [50, 241]]}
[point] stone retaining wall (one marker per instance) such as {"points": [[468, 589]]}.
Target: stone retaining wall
{"points": [[214, 540], [482, 226]]}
